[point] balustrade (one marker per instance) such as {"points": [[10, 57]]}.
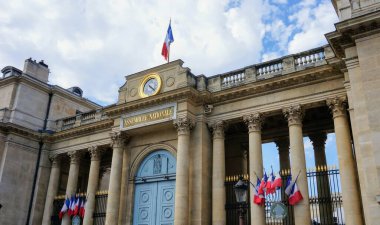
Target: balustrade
{"points": [[233, 79]]}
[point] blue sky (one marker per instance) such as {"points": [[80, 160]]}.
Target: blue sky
{"points": [[95, 44]]}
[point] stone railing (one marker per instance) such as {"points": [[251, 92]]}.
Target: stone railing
{"points": [[277, 67], [233, 79], [80, 119], [5, 115]]}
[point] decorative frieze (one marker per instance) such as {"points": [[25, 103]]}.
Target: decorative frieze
{"points": [[294, 114], [254, 121], [337, 105], [183, 125]]}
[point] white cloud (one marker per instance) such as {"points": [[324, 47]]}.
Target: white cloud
{"points": [[94, 44], [313, 22]]}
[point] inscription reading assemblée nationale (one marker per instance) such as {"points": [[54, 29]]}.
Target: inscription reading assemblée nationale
{"points": [[147, 117]]}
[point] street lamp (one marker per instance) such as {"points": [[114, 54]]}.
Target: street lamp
{"points": [[241, 189]]}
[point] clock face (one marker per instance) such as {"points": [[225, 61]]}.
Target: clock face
{"points": [[150, 85]]}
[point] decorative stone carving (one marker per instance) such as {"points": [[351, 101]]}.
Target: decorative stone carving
{"points": [[118, 139], [318, 140], [294, 114], [75, 156], [55, 160], [254, 121], [183, 125], [95, 152], [337, 105], [218, 129]]}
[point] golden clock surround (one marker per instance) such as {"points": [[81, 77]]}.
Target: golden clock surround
{"points": [[143, 82]]}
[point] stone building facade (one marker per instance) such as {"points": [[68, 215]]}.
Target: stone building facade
{"points": [[163, 151]]}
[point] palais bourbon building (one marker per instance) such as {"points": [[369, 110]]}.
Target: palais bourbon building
{"points": [[169, 149]]}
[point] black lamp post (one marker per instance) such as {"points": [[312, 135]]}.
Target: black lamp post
{"points": [[241, 189]]}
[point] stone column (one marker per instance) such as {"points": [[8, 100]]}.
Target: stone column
{"points": [[92, 185], [254, 122], [72, 181], [52, 188], [283, 150], [323, 187], [181, 215], [244, 161], [218, 174], [348, 175], [294, 115], [112, 212]]}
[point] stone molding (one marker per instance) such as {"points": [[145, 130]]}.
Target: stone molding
{"points": [[75, 156], [318, 141], [95, 153], [55, 160], [118, 139], [254, 121], [218, 129], [338, 106], [294, 114], [183, 125]]}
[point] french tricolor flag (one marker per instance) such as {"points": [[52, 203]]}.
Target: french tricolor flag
{"points": [[277, 183], [293, 192], [269, 184], [168, 40], [258, 197], [64, 209]]}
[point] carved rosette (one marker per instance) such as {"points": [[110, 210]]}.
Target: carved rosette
{"points": [[218, 129], [55, 160], [337, 105], [183, 125], [318, 140], [95, 152], [75, 156], [294, 114], [118, 139], [254, 121]]}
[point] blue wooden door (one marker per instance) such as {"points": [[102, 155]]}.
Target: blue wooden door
{"points": [[155, 190]]}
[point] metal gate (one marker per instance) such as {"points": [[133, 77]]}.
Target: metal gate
{"points": [[324, 196]]}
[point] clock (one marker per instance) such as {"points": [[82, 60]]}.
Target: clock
{"points": [[150, 85]]}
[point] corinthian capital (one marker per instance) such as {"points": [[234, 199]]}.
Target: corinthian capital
{"points": [[254, 121], [75, 156], [218, 129], [294, 114], [183, 125], [95, 152], [55, 160], [337, 106], [118, 139]]}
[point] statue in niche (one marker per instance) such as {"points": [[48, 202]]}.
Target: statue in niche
{"points": [[157, 164]]}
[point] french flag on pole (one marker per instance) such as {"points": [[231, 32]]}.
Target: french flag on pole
{"points": [[258, 197], [64, 209], [277, 183], [293, 192], [263, 184], [269, 184], [168, 40]]}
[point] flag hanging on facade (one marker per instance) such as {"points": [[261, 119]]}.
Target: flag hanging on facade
{"points": [[277, 183], [258, 196], [70, 212], [269, 184], [77, 206], [64, 209], [263, 183], [82, 208], [293, 192], [168, 40]]}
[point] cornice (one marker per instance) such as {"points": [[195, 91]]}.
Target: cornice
{"points": [[87, 128], [349, 30], [11, 128]]}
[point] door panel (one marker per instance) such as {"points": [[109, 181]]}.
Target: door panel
{"points": [[165, 203], [145, 204]]}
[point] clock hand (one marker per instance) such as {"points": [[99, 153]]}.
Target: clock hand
{"points": [[151, 87]]}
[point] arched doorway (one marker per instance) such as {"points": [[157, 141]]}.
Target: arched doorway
{"points": [[155, 189]]}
